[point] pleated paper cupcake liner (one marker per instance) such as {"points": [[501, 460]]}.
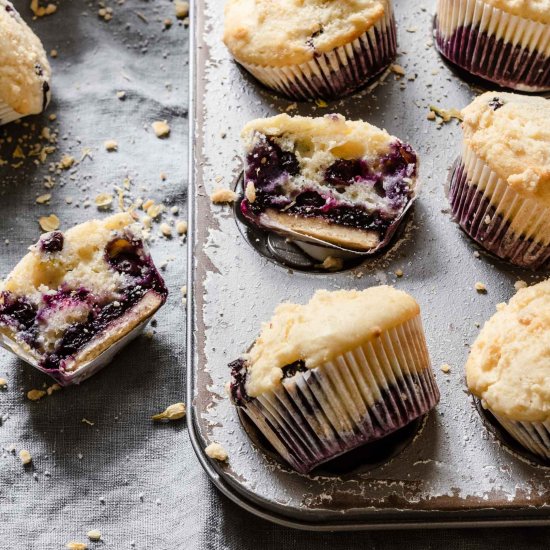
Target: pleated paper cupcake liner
{"points": [[359, 397], [497, 217], [534, 436], [337, 72], [7, 114], [507, 49]]}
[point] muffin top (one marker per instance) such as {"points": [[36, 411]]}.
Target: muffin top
{"points": [[290, 32], [331, 323], [511, 133], [537, 10], [509, 364], [24, 68]]}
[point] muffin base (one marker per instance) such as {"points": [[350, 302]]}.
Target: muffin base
{"points": [[534, 436], [360, 397], [489, 225], [338, 72], [511, 60]]}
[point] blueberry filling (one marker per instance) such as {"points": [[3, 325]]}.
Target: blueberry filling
{"points": [[124, 256], [496, 103], [237, 387], [269, 168], [52, 242]]}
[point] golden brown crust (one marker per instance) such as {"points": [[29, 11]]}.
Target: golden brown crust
{"points": [[346, 237], [536, 10], [280, 33]]}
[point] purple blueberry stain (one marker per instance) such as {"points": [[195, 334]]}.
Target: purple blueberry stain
{"points": [[52, 242], [496, 103]]}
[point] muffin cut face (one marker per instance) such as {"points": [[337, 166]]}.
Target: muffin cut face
{"points": [[78, 295], [344, 182]]}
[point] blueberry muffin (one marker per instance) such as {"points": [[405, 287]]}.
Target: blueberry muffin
{"points": [[504, 41], [500, 188], [24, 68], [343, 182], [77, 297], [308, 49], [347, 368], [509, 367]]}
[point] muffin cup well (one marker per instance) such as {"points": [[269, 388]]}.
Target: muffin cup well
{"points": [[534, 436], [337, 72], [359, 397], [488, 42], [497, 217]]}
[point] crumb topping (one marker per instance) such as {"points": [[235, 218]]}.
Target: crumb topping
{"points": [[537, 10], [330, 324], [216, 451], [509, 364], [289, 32], [510, 132]]}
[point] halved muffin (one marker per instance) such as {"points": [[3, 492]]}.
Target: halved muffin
{"points": [[77, 297], [345, 369], [344, 182], [24, 68]]}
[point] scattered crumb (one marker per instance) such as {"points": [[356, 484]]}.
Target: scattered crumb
{"points": [[397, 69], [446, 114], [477, 254], [182, 9], [111, 145], [161, 128], [221, 196], [165, 229], [181, 227], [86, 421], [399, 273], [431, 115], [216, 451], [445, 368], [480, 287], [518, 285], [3, 383], [332, 264], [53, 53], [40, 11], [35, 395], [321, 103], [104, 200], [49, 223], [94, 535], [25, 457], [66, 162], [105, 13], [77, 545], [43, 199], [173, 412], [121, 94], [250, 192], [53, 388]]}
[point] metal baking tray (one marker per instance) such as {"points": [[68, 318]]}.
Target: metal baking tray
{"points": [[452, 468]]}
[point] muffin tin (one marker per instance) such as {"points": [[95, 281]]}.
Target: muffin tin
{"points": [[451, 468]]}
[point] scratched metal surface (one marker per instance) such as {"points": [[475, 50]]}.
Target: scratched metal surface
{"points": [[454, 469]]}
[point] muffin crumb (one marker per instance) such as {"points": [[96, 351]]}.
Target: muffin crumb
{"points": [[216, 451], [77, 545], [25, 457], [181, 227], [3, 383], [161, 128], [94, 535], [173, 412], [35, 395], [332, 264], [399, 273], [111, 145], [222, 196], [480, 287], [446, 368], [49, 223], [41, 11], [250, 192], [520, 284], [397, 69], [182, 9]]}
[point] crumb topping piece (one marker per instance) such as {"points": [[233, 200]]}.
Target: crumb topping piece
{"points": [[161, 128], [25, 457], [223, 196], [173, 412], [216, 451]]}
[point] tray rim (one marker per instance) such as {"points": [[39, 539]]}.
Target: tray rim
{"points": [[246, 499]]}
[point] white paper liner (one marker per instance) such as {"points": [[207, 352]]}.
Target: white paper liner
{"points": [[534, 436], [497, 217], [337, 72], [7, 114], [525, 69], [359, 397]]}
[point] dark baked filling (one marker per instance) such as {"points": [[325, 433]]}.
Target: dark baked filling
{"points": [[124, 255], [268, 167]]}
